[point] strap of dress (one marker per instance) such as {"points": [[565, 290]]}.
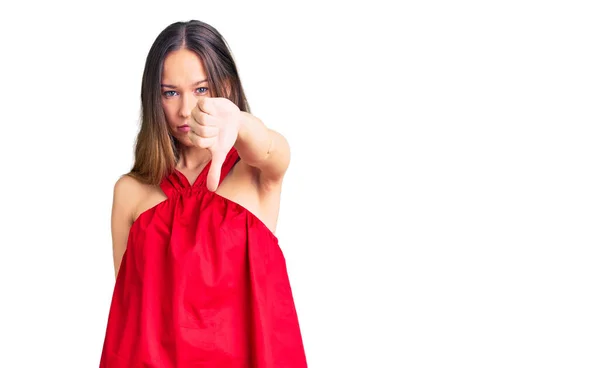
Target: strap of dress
{"points": [[176, 181], [172, 183], [230, 161]]}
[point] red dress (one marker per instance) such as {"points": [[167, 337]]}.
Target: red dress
{"points": [[202, 283]]}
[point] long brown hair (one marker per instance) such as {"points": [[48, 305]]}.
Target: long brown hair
{"points": [[156, 151]]}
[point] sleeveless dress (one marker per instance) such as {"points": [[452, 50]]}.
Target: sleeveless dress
{"points": [[203, 283]]}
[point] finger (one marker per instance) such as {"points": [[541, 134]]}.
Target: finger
{"points": [[204, 131], [205, 105], [214, 173], [202, 142], [203, 118]]}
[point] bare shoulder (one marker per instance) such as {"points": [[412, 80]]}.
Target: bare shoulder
{"points": [[126, 197], [127, 194], [244, 186], [127, 187], [252, 180]]}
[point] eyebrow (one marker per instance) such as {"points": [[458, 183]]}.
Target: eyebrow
{"points": [[175, 87]]}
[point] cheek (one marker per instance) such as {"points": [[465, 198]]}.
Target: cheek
{"points": [[170, 112]]}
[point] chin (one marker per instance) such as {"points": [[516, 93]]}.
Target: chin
{"points": [[185, 141], [182, 139]]}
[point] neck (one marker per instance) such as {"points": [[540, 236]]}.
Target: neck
{"points": [[193, 158]]}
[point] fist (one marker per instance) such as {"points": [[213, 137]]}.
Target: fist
{"points": [[215, 124]]}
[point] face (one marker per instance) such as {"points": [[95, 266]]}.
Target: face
{"points": [[184, 80]]}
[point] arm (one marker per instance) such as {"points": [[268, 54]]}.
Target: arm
{"points": [[121, 218], [263, 148]]}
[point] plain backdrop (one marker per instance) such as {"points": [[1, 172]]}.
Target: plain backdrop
{"points": [[442, 204]]}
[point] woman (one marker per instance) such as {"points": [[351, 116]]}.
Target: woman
{"points": [[200, 278]]}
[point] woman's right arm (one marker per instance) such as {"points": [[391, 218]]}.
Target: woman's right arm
{"points": [[122, 216]]}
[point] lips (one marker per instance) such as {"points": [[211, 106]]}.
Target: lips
{"points": [[183, 128]]}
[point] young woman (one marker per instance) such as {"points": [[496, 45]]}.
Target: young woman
{"points": [[200, 278]]}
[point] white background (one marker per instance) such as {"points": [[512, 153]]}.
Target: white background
{"points": [[441, 208]]}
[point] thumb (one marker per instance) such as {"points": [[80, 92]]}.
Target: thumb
{"points": [[214, 172]]}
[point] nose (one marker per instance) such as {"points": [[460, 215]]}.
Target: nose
{"points": [[188, 101]]}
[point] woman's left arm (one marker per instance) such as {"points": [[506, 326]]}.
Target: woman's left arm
{"points": [[262, 148]]}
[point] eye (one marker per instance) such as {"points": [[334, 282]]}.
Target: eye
{"points": [[169, 93], [201, 90]]}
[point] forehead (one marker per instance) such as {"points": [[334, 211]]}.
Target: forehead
{"points": [[182, 67]]}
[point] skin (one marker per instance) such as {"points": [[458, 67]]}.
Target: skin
{"points": [[215, 125]]}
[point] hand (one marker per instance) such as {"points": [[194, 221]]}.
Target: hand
{"points": [[215, 125]]}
